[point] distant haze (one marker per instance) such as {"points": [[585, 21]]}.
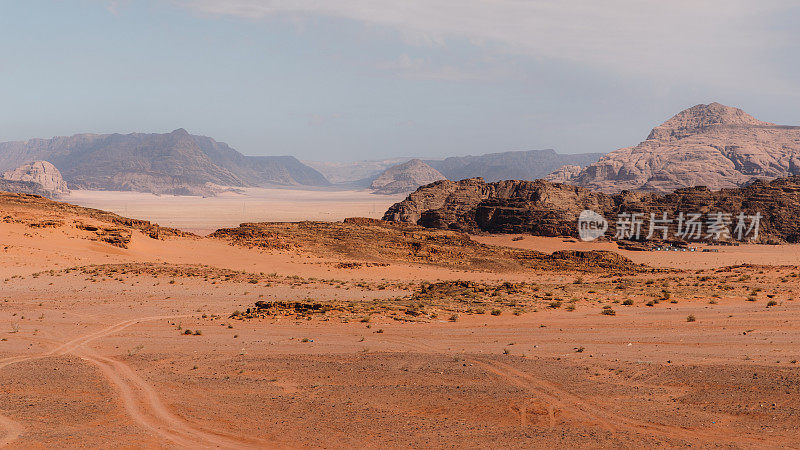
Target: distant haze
{"points": [[354, 80]]}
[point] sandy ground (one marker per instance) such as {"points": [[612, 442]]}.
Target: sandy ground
{"points": [[100, 358], [720, 257], [204, 215]]}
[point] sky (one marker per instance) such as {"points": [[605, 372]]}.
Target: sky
{"points": [[372, 79]]}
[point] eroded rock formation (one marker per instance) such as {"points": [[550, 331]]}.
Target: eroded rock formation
{"points": [[551, 209]]}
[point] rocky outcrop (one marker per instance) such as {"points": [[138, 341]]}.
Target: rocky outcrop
{"points": [[23, 187], [405, 177], [564, 174], [707, 145], [509, 206], [170, 163], [549, 209], [41, 173], [381, 243]]}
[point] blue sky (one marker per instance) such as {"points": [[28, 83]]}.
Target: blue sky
{"points": [[370, 79]]}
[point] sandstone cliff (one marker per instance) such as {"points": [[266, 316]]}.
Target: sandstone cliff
{"points": [[707, 145], [548, 209]]}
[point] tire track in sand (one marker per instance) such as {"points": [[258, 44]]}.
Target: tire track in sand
{"points": [[141, 401], [14, 429], [144, 406], [592, 412]]}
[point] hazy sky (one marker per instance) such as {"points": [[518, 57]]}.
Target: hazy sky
{"points": [[367, 79]]}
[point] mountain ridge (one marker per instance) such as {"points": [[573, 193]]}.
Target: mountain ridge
{"points": [[175, 163], [523, 165]]}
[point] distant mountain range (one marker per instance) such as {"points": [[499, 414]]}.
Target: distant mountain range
{"points": [[707, 145], [171, 163], [521, 165]]}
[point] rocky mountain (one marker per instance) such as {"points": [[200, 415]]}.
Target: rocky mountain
{"points": [[405, 177], [41, 173], [523, 165], [550, 209], [706, 145], [527, 165], [173, 163], [354, 173]]}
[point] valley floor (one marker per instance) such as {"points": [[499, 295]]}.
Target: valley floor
{"points": [[202, 215]]}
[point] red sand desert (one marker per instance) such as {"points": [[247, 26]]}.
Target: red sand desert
{"points": [[110, 337]]}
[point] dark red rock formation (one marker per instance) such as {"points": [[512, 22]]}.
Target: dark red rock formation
{"points": [[550, 209]]}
